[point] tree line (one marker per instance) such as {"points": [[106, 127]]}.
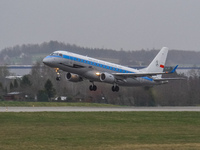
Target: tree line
{"points": [[41, 85]]}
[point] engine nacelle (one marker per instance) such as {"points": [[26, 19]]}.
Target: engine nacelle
{"points": [[73, 77], [106, 77]]}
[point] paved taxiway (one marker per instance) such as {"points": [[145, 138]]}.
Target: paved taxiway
{"points": [[94, 109]]}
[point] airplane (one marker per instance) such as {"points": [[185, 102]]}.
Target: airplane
{"points": [[79, 67]]}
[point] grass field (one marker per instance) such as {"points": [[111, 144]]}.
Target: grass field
{"points": [[51, 104], [100, 130]]}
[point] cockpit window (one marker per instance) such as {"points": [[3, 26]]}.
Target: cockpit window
{"points": [[56, 54]]}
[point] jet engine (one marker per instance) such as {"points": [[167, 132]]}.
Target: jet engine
{"points": [[107, 77], [73, 77]]}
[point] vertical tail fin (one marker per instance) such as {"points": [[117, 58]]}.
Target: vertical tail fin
{"points": [[158, 63]]}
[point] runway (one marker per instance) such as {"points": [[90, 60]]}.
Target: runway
{"points": [[96, 109]]}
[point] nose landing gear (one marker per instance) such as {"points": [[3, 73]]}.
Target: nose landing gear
{"points": [[58, 78]]}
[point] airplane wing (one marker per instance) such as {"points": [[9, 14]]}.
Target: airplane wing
{"points": [[165, 79], [134, 75], [142, 74]]}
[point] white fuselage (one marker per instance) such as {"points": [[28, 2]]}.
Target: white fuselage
{"points": [[91, 68]]}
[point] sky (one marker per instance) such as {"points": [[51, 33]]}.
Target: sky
{"points": [[108, 24]]}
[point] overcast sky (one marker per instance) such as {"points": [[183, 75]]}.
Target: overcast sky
{"points": [[113, 24]]}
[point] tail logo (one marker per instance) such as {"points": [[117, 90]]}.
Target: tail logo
{"points": [[156, 62], [162, 66]]}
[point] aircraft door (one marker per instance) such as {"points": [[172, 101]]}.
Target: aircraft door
{"points": [[70, 61]]}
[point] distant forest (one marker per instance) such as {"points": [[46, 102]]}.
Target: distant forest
{"points": [[29, 54]]}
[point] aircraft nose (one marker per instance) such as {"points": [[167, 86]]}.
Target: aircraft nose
{"points": [[46, 61], [49, 61]]}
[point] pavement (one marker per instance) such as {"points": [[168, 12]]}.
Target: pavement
{"points": [[96, 109]]}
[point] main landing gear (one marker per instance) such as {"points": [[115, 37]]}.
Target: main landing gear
{"points": [[93, 87], [58, 74], [115, 88]]}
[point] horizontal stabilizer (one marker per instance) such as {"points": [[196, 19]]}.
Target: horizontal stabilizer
{"points": [[166, 79], [174, 69]]}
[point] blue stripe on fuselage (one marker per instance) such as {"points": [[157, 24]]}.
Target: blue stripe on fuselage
{"points": [[96, 64]]}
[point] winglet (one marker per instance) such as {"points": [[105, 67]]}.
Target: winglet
{"points": [[174, 69]]}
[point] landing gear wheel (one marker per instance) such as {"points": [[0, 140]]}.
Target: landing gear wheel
{"points": [[115, 88], [58, 78], [93, 87]]}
